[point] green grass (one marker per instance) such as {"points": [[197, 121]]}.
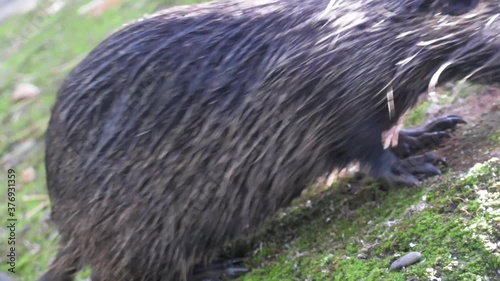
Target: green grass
{"points": [[418, 115]]}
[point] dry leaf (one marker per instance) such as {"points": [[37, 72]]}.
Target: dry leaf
{"points": [[28, 175], [97, 7], [25, 91]]}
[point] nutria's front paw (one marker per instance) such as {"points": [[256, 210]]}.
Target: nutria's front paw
{"points": [[449, 122], [428, 136], [406, 171]]}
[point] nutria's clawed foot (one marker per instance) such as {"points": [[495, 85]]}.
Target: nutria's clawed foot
{"points": [[407, 170], [219, 271], [424, 165], [428, 136]]}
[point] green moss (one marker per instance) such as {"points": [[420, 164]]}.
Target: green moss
{"points": [[464, 90], [418, 115], [444, 221], [495, 138]]}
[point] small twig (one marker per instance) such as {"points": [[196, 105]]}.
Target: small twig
{"points": [[465, 211], [37, 209], [35, 197]]}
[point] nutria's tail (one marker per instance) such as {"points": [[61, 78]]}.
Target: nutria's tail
{"points": [[66, 264]]}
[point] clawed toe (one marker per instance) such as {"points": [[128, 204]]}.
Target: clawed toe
{"points": [[426, 137], [449, 122], [405, 179], [433, 138], [422, 165]]}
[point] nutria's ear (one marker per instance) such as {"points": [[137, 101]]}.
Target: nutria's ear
{"points": [[459, 7]]}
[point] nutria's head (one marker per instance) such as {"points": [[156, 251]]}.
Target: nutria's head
{"points": [[408, 47], [366, 49], [460, 37]]}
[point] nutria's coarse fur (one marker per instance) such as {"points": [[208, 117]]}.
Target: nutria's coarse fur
{"points": [[187, 129]]}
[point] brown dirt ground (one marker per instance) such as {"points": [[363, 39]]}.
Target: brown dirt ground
{"points": [[471, 143]]}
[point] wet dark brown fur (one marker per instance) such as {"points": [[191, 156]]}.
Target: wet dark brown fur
{"points": [[187, 129]]}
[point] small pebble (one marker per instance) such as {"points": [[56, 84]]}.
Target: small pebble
{"points": [[4, 277], [406, 260], [28, 175], [25, 91], [308, 204], [361, 256]]}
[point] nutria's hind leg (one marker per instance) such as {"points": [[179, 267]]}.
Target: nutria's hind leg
{"points": [[66, 264], [428, 136], [218, 271]]}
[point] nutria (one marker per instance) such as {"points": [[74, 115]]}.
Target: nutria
{"points": [[187, 129]]}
